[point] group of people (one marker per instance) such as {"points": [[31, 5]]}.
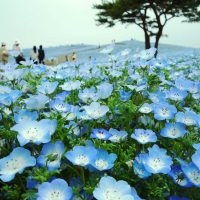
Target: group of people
{"points": [[35, 55]]}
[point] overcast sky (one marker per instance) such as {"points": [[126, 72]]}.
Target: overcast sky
{"points": [[62, 22]]}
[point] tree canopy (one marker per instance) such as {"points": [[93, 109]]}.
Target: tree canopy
{"points": [[149, 15]]}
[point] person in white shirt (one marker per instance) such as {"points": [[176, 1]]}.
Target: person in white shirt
{"points": [[34, 55], [16, 46]]}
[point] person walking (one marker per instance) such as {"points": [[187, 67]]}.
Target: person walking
{"points": [[34, 55], [41, 55], [4, 53]]}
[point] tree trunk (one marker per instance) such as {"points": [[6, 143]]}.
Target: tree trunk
{"points": [[158, 36], [147, 40]]}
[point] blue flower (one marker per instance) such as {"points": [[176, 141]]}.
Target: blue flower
{"points": [[164, 111], [173, 130], [144, 136], [196, 158], [100, 133], [192, 172], [157, 161], [47, 87], [62, 96], [25, 114], [59, 105], [95, 110], [117, 136], [139, 168], [146, 108], [51, 155], [36, 102], [105, 90], [176, 94], [179, 177], [81, 155], [15, 162], [109, 188], [103, 160], [157, 96], [58, 189], [32, 131], [124, 96], [188, 118]]}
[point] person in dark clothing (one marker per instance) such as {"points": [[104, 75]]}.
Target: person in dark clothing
{"points": [[41, 55], [20, 58]]}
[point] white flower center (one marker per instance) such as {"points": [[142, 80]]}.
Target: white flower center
{"points": [[100, 163], [82, 159], [55, 195], [195, 176], [111, 194], [12, 165]]}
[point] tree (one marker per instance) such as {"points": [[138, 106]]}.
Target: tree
{"points": [[149, 15]]}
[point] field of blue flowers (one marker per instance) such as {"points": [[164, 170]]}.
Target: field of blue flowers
{"points": [[123, 129]]}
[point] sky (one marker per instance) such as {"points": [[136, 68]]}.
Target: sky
{"points": [[66, 22]]}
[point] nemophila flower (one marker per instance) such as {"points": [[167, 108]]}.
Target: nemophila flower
{"points": [[159, 64], [25, 114], [179, 177], [196, 158], [188, 118], [144, 136], [193, 87], [125, 52], [181, 83], [47, 87], [71, 85], [103, 160], [95, 110], [146, 108], [58, 189], [164, 111], [139, 168], [100, 133], [117, 136], [192, 172], [77, 183], [108, 49], [13, 75], [81, 155], [157, 97], [51, 155], [32, 131], [124, 96], [36, 102], [105, 90], [11, 97], [73, 128], [108, 189], [173, 130], [0, 116], [83, 116], [157, 161], [85, 94], [176, 94], [5, 89], [196, 146], [59, 105], [148, 53], [51, 123], [62, 96], [15, 162], [72, 113]]}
